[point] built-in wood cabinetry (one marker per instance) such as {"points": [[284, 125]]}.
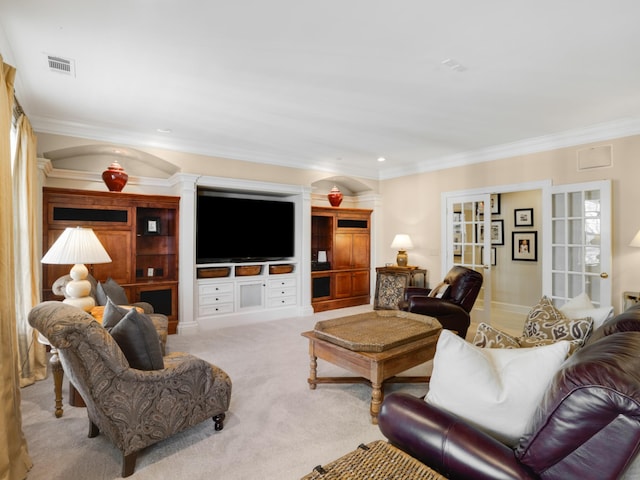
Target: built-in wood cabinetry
{"points": [[341, 257], [140, 233]]}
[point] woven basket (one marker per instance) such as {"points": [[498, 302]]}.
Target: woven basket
{"points": [[247, 270], [214, 272], [378, 460], [279, 269]]}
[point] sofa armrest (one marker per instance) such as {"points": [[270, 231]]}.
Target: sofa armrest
{"points": [[411, 291], [445, 442], [145, 306]]}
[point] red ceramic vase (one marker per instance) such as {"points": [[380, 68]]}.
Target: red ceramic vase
{"points": [[335, 197], [114, 177]]}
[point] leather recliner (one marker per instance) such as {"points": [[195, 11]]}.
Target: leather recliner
{"points": [[459, 290], [586, 426]]}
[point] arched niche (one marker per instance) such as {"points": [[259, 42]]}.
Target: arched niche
{"points": [[96, 158], [347, 185]]}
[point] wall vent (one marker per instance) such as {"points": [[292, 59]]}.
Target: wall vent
{"points": [[595, 157], [61, 65]]}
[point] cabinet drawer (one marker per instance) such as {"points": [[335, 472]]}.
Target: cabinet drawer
{"points": [[281, 292], [282, 282], [281, 301], [206, 310], [216, 299], [215, 288]]}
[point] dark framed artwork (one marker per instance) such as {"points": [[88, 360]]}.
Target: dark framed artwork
{"points": [[494, 261], [524, 246], [497, 232], [152, 226], [523, 217], [390, 287], [495, 205]]}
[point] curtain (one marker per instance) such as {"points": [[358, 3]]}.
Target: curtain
{"points": [[14, 457], [32, 354]]}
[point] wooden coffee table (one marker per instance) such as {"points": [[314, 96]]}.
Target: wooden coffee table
{"points": [[374, 367]]}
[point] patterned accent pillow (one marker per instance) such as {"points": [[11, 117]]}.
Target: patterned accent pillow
{"points": [[490, 337], [546, 324]]}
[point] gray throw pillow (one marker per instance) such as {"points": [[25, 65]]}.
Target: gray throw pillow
{"points": [[111, 289], [112, 314], [139, 341]]}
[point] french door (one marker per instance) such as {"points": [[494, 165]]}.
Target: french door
{"points": [[579, 258], [468, 243], [575, 240]]}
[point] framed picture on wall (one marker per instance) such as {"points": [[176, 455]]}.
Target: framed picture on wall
{"points": [[494, 261], [524, 246], [495, 204], [494, 207], [497, 232], [523, 217]]}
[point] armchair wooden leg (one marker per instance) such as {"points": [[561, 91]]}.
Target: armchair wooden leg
{"points": [[218, 420], [94, 431], [129, 463], [58, 375]]}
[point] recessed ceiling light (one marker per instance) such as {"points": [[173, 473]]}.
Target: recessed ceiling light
{"points": [[454, 65], [381, 159], [164, 130]]}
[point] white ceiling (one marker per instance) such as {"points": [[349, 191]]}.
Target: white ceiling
{"points": [[331, 84]]}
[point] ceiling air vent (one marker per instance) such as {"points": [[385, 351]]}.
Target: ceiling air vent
{"points": [[61, 65]]}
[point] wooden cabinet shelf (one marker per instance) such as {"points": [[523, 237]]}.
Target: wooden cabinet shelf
{"points": [[140, 233], [340, 252]]}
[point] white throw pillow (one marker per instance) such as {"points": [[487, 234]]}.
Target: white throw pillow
{"points": [[497, 390], [581, 301], [581, 306]]}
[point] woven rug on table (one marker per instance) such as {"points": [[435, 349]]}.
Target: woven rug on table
{"points": [[377, 460]]}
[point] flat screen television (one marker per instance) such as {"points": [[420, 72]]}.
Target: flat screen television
{"points": [[236, 230]]}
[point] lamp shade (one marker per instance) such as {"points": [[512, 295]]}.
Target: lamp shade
{"points": [[636, 240], [77, 245], [402, 241]]}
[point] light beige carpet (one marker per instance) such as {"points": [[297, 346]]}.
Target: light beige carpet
{"points": [[276, 428]]}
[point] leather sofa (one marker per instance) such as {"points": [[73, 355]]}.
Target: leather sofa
{"points": [[450, 302], [586, 426]]}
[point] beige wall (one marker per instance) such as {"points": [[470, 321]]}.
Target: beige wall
{"points": [[412, 204]]}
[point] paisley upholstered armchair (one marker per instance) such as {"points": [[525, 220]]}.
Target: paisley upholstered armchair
{"points": [[134, 408]]}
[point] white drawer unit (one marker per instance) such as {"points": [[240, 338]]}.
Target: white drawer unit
{"points": [[235, 293], [215, 298], [281, 292], [206, 310], [215, 288]]}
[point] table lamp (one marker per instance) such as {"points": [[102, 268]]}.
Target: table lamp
{"points": [[77, 246], [403, 243]]}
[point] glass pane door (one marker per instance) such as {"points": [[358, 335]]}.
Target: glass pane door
{"points": [[581, 242], [469, 246]]}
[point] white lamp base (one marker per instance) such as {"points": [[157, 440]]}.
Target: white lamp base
{"points": [[77, 291]]}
